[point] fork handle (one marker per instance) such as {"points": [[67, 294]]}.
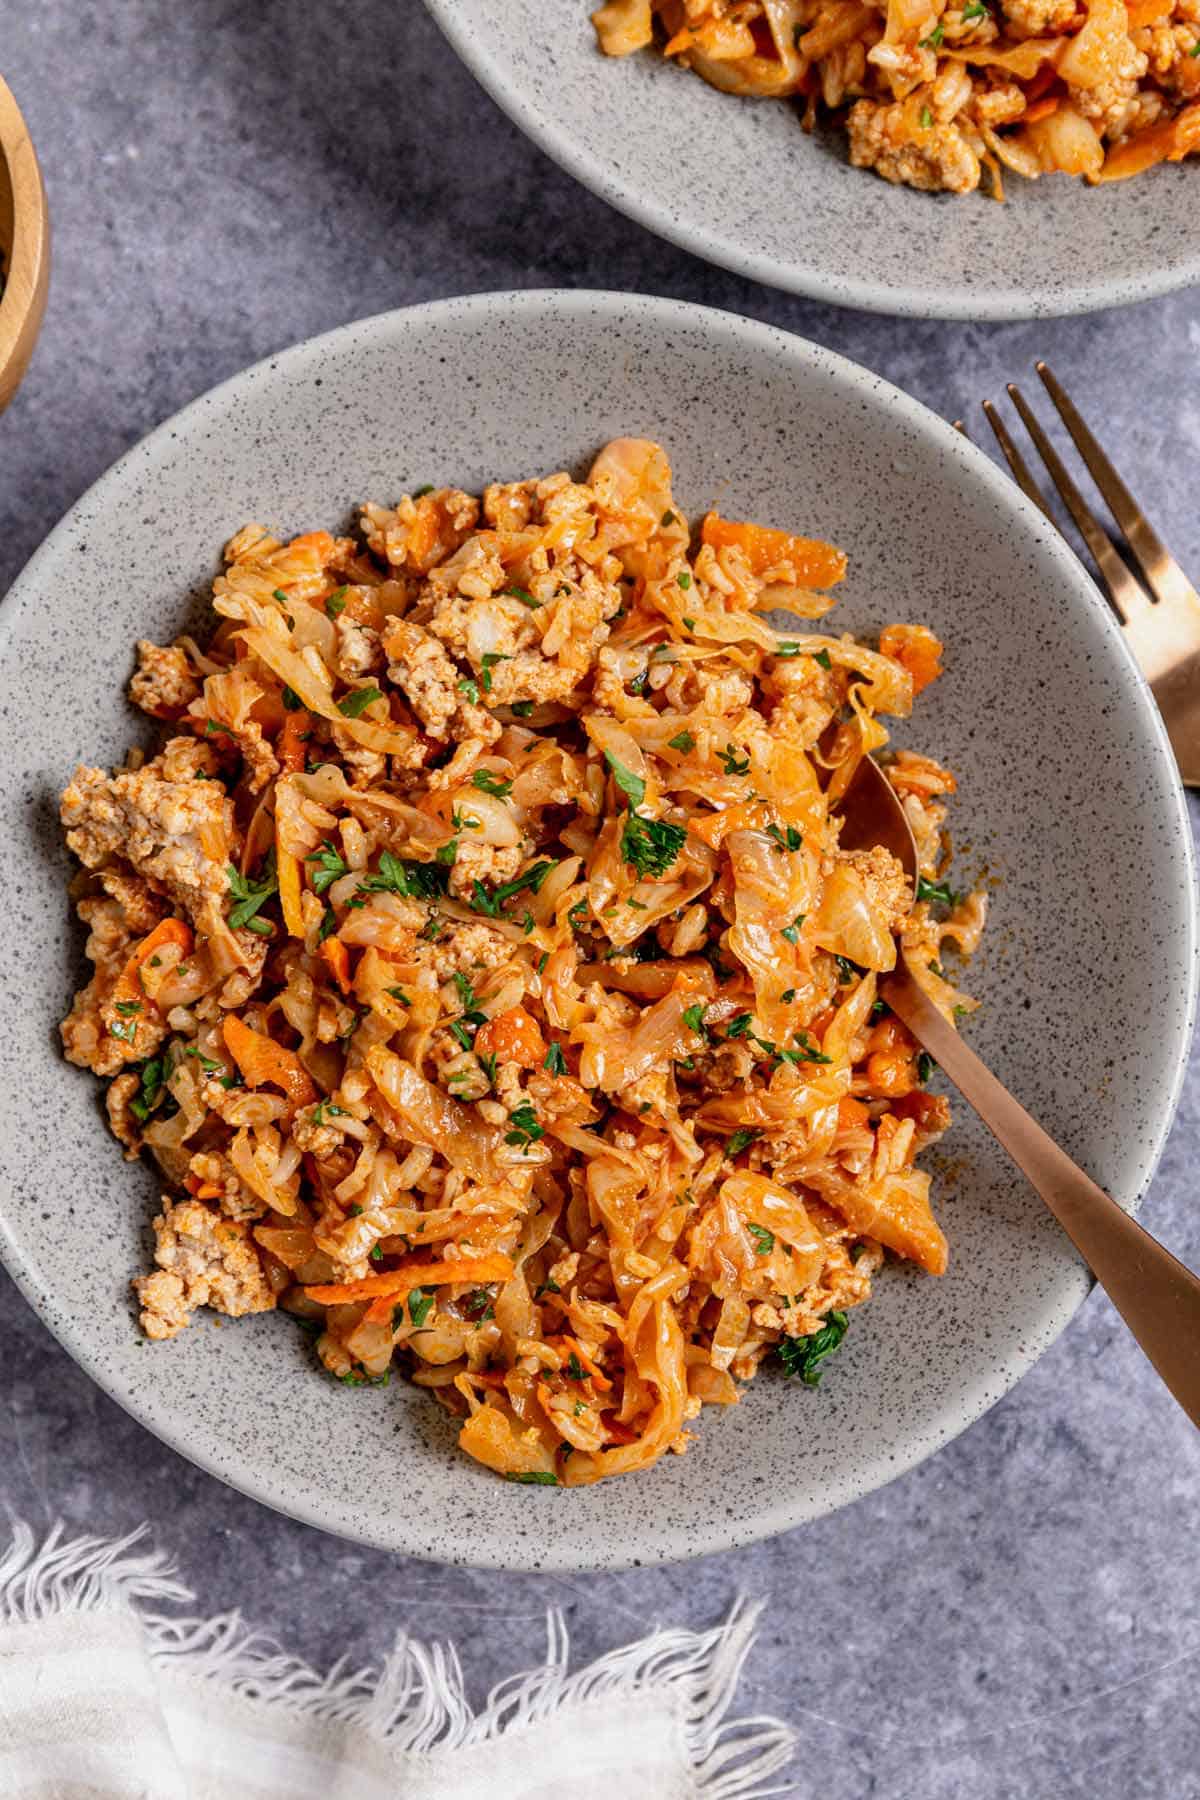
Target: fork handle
{"points": [[1156, 1296]]}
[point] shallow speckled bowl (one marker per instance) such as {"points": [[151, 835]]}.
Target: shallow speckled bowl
{"points": [[738, 182], [1068, 795]]}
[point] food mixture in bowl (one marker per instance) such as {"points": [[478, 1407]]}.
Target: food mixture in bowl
{"points": [[478, 962], [934, 95]]}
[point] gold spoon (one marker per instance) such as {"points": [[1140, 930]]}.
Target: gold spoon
{"points": [[1156, 1296], [24, 247]]}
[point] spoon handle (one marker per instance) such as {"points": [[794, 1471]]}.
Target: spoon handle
{"points": [[1156, 1296]]}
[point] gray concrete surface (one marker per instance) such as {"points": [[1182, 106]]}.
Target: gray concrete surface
{"points": [[1018, 1617]]}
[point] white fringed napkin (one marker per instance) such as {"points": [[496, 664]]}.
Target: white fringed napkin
{"points": [[104, 1695]]}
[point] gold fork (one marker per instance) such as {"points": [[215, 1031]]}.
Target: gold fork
{"points": [[1162, 625]]}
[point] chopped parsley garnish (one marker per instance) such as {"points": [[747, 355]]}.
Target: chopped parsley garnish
{"points": [[734, 765], [689, 624], [847, 971], [823, 657], [740, 1139], [328, 924], [420, 881], [478, 1304], [336, 602], [249, 895], [487, 783], [466, 991], [933, 41], [685, 742], [420, 1304], [331, 866], [523, 595], [154, 1075], [926, 118], [376, 1253], [324, 1109], [490, 659], [925, 1067], [127, 1008], [207, 1063], [420, 493], [976, 11], [534, 1478], [637, 683], [738, 1027], [803, 1356], [937, 893], [356, 703], [548, 1287], [555, 1061], [358, 1378], [446, 853], [668, 518], [488, 1065], [684, 580], [400, 995], [630, 784], [460, 1034], [787, 839], [764, 1240], [792, 932], [693, 1017], [523, 1127], [470, 690], [292, 701], [522, 708], [788, 649], [492, 904], [651, 845], [575, 1369]]}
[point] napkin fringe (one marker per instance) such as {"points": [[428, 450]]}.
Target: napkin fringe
{"points": [[416, 1700]]}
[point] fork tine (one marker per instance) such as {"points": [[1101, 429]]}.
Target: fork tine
{"points": [[1160, 569], [1016, 462], [1126, 595]]}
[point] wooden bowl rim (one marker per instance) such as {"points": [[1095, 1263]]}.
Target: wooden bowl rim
{"points": [[23, 302]]}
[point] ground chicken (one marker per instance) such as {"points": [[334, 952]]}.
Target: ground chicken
{"points": [[358, 650], [164, 684], [203, 1260], [87, 1029], [1038, 18], [509, 505], [489, 863], [121, 1121], [885, 882], [176, 833], [1108, 104], [938, 159], [464, 947], [438, 694]]}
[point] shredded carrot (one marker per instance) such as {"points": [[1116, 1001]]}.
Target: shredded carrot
{"points": [[1169, 141], [1146, 12], [129, 987], [852, 1112], [261, 1059], [1041, 109], [808, 561], [513, 1036], [287, 870], [494, 1266], [597, 1374], [914, 647], [337, 956], [289, 745], [745, 815]]}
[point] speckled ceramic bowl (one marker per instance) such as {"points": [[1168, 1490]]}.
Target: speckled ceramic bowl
{"points": [[1068, 797], [738, 182]]}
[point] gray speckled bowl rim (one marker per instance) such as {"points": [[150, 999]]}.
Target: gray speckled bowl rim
{"points": [[869, 392], [901, 297]]}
